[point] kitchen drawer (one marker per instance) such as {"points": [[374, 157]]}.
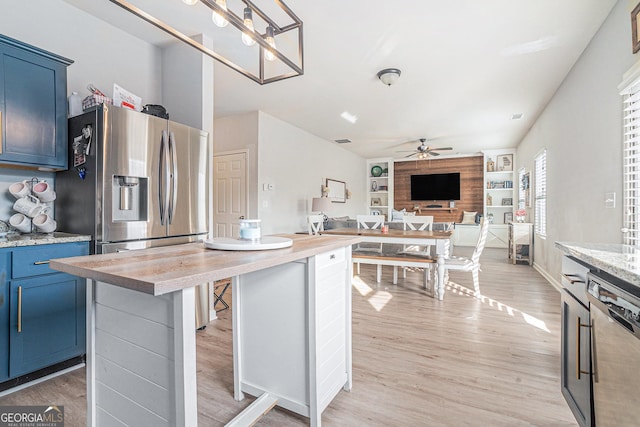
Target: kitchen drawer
{"points": [[34, 260], [574, 278], [330, 258]]}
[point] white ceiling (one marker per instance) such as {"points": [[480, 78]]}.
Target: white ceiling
{"points": [[467, 66]]}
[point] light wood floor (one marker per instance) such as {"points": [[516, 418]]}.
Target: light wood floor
{"points": [[416, 361]]}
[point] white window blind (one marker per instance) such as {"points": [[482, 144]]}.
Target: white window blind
{"points": [[631, 164], [541, 194]]}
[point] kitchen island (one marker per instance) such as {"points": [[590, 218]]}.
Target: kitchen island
{"points": [[291, 327]]}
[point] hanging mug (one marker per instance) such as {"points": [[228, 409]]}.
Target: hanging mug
{"points": [[44, 191], [20, 222], [374, 186], [28, 205], [20, 189], [45, 222]]}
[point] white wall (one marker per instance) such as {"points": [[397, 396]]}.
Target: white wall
{"points": [[581, 130], [97, 49], [297, 163]]}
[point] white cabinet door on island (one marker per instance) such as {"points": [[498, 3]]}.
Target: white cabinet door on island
{"points": [[292, 327]]}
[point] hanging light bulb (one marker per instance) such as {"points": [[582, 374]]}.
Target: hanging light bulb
{"points": [[190, 2], [248, 22], [271, 41], [217, 18]]}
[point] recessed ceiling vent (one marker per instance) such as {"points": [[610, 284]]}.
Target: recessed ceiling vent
{"points": [[343, 141]]}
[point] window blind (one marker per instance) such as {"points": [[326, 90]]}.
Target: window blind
{"points": [[631, 164], [541, 194]]}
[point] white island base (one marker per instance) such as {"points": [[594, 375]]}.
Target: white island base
{"points": [[291, 329]]}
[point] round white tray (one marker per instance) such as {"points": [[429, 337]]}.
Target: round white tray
{"points": [[229, 244]]}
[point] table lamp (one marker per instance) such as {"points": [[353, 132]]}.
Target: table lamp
{"points": [[321, 205]]}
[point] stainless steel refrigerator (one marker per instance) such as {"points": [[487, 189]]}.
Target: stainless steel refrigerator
{"points": [[134, 181]]}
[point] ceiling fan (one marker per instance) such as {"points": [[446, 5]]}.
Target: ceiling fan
{"points": [[424, 151]]}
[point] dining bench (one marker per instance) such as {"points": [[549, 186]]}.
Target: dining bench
{"points": [[395, 260]]}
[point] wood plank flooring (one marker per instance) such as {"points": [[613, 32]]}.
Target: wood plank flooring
{"points": [[417, 361]]}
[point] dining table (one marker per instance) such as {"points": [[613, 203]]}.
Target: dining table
{"points": [[440, 240]]}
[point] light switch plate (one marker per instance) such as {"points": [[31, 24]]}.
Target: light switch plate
{"points": [[610, 200]]}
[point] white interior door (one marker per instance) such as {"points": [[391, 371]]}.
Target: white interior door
{"points": [[229, 193]]}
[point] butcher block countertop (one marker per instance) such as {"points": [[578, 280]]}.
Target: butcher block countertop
{"points": [[166, 269]]}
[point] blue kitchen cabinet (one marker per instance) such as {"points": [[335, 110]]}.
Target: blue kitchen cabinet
{"points": [[49, 322], [33, 106], [42, 319], [5, 275]]}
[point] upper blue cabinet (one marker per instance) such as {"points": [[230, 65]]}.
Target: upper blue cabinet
{"points": [[33, 107]]}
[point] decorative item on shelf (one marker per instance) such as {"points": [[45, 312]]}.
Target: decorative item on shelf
{"points": [[385, 172], [508, 217], [521, 214], [375, 201], [383, 188], [374, 186], [505, 163], [507, 201], [490, 218], [376, 171], [489, 200], [491, 165]]}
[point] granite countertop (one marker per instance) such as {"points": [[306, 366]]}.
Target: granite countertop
{"points": [[13, 240], [168, 269], [622, 261]]}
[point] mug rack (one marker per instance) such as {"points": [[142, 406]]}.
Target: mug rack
{"points": [[32, 182]]}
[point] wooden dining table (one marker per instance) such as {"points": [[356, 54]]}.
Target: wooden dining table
{"points": [[440, 240]]}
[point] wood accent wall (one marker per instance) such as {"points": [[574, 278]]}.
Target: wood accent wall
{"points": [[471, 186]]}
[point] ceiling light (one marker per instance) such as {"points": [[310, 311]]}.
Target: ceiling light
{"points": [[351, 118], [248, 22], [216, 17], [270, 56], [389, 76]]}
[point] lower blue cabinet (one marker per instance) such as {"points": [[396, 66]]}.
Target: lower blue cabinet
{"points": [[42, 311], [47, 323]]}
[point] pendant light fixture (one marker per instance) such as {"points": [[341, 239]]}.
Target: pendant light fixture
{"points": [[215, 16], [244, 16], [271, 41], [248, 22]]}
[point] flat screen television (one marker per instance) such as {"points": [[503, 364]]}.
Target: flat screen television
{"points": [[436, 186]]}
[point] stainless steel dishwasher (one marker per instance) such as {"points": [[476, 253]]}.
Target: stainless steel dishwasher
{"points": [[615, 335]]}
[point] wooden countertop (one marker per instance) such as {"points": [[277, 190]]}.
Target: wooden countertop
{"points": [[167, 269]]}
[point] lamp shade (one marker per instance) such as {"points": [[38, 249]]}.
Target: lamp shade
{"points": [[320, 204]]}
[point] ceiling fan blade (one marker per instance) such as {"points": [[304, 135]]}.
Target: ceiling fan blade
{"points": [[432, 153], [410, 155], [443, 148], [405, 151]]}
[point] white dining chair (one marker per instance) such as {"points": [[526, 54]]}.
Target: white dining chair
{"points": [[369, 222], [315, 224], [471, 264], [416, 223]]}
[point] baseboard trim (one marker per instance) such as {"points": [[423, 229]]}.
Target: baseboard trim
{"points": [[20, 383], [548, 277]]}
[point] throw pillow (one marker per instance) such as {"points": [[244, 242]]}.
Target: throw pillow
{"points": [[397, 215], [468, 217]]}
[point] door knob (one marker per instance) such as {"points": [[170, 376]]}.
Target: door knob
{"points": [[242, 217]]}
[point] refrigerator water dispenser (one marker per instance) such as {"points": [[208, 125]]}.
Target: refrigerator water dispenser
{"points": [[129, 198]]}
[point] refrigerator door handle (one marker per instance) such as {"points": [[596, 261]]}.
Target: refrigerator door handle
{"points": [[174, 177], [162, 170]]}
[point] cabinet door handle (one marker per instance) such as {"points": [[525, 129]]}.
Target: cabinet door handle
{"points": [[19, 309], [41, 262], [578, 326], [332, 256], [573, 278]]}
